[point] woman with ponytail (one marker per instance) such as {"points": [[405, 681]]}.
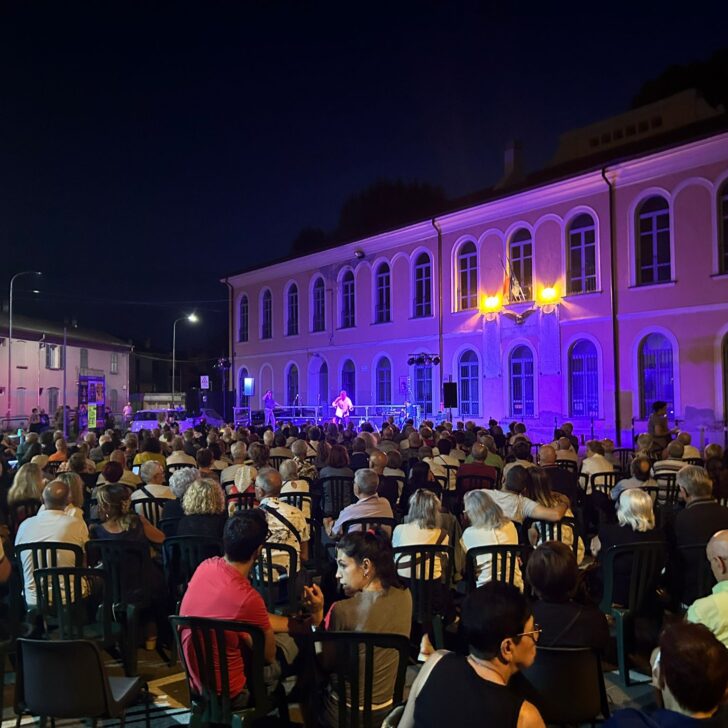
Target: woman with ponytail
{"points": [[376, 602]]}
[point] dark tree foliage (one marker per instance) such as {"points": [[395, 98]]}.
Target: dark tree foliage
{"points": [[710, 77], [308, 240]]}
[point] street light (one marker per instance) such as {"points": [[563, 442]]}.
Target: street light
{"points": [[193, 318], [10, 335]]}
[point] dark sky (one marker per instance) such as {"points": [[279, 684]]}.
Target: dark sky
{"points": [[147, 149]]}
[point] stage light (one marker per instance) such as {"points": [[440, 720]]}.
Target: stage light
{"points": [[548, 295], [435, 360]]}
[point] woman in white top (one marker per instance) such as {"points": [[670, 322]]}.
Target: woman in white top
{"points": [[422, 528], [289, 471], [488, 527]]}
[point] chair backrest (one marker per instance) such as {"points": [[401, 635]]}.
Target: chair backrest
{"points": [[150, 508], [272, 580], [566, 684], [625, 456], [181, 555], [297, 500], [648, 559], [368, 523], [417, 564], [569, 465], [691, 554], [504, 559], [354, 656], [44, 554], [669, 492], [339, 493], [276, 460], [564, 530], [168, 526], [124, 561], [209, 681], [603, 482], [240, 501], [65, 618], [694, 461], [464, 483], [48, 676]]}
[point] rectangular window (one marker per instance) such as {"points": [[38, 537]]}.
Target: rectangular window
{"points": [[319, 310], [723, 262], [347, 300], [521, 270], [54, 356], [114, 362], [423, 387], [267, 328], [384, 385], [383, 309], [654, 247], [423, 287], [582, 260], [468, 279], [292, 329]]}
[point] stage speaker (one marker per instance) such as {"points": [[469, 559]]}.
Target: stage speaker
{"points": [[248, 386], [450, 394], [192, 401]]}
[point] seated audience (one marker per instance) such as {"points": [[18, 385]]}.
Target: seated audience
{"points": [[712, 611], [389, 487], [476, 467], [521, 451], [151, 450], [76, 494], [692, 675], [306, 469], [245, 477], [595, 462], [27, 485], [564, 612], [204, 510], [359, 457], [61, 453], [458, 690], [420, 477], [516, 506], [293, 484], [239, 452], [565, 451], [640, 477], [689, 450], [561, 480], [153, 482], [488, 527], [179, 482], [674, 460], [368, 504], [179, 456], [127, 476], [205, 464], [658, 428]]}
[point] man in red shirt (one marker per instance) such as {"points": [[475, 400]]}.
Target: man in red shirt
{"points": [[220, 589], [477, 467]]}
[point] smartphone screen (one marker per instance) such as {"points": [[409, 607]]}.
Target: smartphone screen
{"points": [[20, 431]]}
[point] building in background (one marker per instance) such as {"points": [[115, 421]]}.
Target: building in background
{"points": [[586, 291], [96, 367]]}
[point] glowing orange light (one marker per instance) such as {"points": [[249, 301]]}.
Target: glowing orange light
{"points": [[491, 303], [549, 295]]}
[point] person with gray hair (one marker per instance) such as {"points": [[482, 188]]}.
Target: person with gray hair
{"points": [[689, 450], [179, 456], [368, 504], [695, 524], [239, 451], [286, 523], [153, 485], [674, 460], [293, 484], [179, 483], [712, 610]]}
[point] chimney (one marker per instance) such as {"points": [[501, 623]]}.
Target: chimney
{"points": [[512, 164]]}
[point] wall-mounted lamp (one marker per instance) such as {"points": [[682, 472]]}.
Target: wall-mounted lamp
{"points": [[358, 253], [490, 305], [548, 298]]}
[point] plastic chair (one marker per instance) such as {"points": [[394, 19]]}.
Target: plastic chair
{"points": [[625, 456], [150, 508], [273, 581], [352, 655], [694, 461], [368, 523], [566, 684], [603, 482], [554, 531], [504, 558], [570, 465], [168, 526], [44, 555], [49, 675], [419, 562], [240, 501], [181, 555], [669, 493], [338, 492], [648, 559], [211, 703], [704, 579]]}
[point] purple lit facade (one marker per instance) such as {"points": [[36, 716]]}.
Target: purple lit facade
{"points": [[640, 269]]}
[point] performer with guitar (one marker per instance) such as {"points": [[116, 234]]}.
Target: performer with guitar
{"points": [[269, 404], [343, 407]]}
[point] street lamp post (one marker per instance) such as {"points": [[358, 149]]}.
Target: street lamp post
{"points": [[10, 336], [193, 319]]}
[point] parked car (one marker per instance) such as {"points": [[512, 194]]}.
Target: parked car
{"points": [[150, 418]]}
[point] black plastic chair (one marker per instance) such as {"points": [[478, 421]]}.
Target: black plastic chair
{"points": [[276, 460], [647, 562], [273, 581], [181, 555], [338, 492], [694, 461], [566, 684], [625, 455], [49, 676], [416, 564], [669, 493], [556, 531], [350, 656], [453, 500], [603, 482], [240, 501], [570, 465], [168, 526], [704, 577], [369, 523], [303, 501], [150, 508], [211, 704], [44, 555], [504, 559]]}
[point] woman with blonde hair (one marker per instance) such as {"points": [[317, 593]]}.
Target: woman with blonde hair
{"points": [[488, 527], [204, 507], [27, 484], [635, 524]]}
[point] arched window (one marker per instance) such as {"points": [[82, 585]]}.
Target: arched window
{"points": [[383, 308], [114, 400], [243, 320], [520, 256], [581, 259], [653, 241], [521, 380], [323, 383], [723, 230], [384, 381], [583, 380], [468, 376], [423, 387], [348, 378], [423, 286], [467, 285], [724, 359], [318, 308], [292, 385], [292, 310], [656, 373], [242, 397], [347, 300], [266, 319], [84, 359]]}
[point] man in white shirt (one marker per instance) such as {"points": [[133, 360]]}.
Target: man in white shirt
{"points": [[564, 450], [154, 486], [368, 503], [51, 524], [239, 451], [179, 456], [689, 451], [595, 461]]}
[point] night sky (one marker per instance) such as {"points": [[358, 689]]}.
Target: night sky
{"points": [[148, 149]]}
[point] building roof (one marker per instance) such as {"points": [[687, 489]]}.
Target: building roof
{"points": [[25, 326], [671, 139]]}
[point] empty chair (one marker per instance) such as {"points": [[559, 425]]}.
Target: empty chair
{"points": [[503, 563]]}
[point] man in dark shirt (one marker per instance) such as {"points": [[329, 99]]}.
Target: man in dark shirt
{"points": [[359, 458], [562, 481], [696, 524]]}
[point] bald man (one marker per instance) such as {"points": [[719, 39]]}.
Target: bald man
{"points": [[712, 611], [51, 524], [388, 486], [562, 481]]}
